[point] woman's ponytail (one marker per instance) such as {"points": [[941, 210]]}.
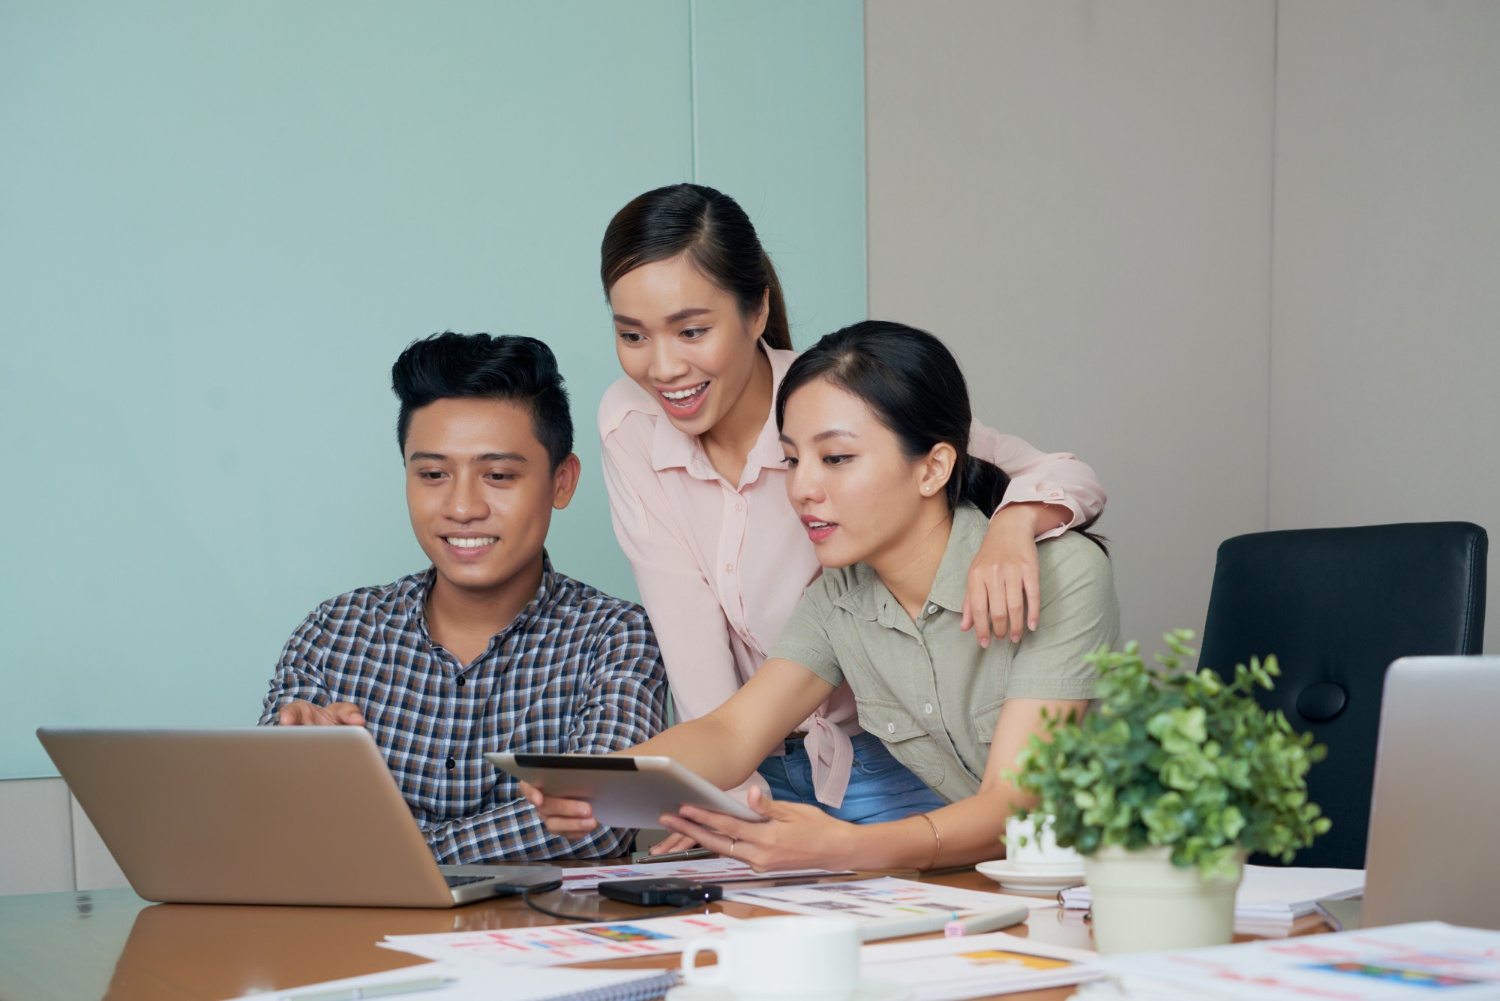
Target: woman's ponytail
{"points": [[980, 483]]}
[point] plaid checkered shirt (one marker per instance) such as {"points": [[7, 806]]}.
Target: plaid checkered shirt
{"points": [[577, 671]]}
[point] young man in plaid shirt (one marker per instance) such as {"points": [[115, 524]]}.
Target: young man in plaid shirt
{"points": [[489, 649]]}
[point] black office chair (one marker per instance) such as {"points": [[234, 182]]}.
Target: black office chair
{"points": [[1336, 606]]}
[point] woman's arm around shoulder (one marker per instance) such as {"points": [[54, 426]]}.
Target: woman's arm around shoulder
{"points": [[1048, 493]]}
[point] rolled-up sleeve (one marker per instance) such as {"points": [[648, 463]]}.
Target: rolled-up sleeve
{"points": [[1079, 614], [1038, 477]]}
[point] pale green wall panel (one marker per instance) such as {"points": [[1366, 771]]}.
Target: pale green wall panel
{"points": [[780, 126], [219, 223]]}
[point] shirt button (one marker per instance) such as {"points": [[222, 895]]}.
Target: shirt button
{"points": [[928, 708], [739, 507], [450, 763], [729, 568], [932, 608], [890, 728], [460, 681]]}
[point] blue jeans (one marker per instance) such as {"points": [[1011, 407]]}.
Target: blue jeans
{"points": [[880, 787]]}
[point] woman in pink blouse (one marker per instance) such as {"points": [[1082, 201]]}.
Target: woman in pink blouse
{"points": [[697, 492]]}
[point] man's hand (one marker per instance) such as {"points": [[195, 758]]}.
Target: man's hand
{"points": [[673, 843], [304, 713], [572, 818]]}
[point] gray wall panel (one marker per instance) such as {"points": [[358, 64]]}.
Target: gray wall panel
{"points": [[1077, 198], [1387, 276]]}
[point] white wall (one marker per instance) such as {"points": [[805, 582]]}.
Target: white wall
{"points": [[1077, 197], [1242, 257], [46, 842]]}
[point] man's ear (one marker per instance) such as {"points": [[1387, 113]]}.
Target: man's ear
{"points": [[936, 469], [565, 481]]}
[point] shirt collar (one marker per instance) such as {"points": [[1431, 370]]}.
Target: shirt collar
{"points": [[412, 598], [672, 449], [868, 598], [546, 591], [964, 540], [415, 588]]}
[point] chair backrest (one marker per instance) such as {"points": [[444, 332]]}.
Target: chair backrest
{"points": [[1337, 606]]}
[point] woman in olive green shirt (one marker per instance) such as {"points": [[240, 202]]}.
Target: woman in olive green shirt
{"points": [[874, 424]]}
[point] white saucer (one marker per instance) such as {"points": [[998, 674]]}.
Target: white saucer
{"points": [[1004, 872], [868, 990]]}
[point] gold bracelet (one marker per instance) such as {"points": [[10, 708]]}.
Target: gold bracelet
{"points": [[937, 848]]}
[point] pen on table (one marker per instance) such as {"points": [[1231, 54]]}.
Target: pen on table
{"points": [[691, 853], [391, 989], [874, 931], [985, 921], [921, 924]]}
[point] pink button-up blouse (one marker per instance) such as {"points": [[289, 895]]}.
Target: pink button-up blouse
{"points": [[721, 565]]}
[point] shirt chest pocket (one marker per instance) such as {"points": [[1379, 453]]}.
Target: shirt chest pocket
{"points": [[985, 717], [904, 736]]}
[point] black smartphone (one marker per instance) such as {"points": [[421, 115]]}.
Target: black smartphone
{"points": [[656, 892]]}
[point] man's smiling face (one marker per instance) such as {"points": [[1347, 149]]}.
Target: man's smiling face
{"points": [[480, 491]]}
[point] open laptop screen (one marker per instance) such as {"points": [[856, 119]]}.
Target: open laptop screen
{"points": [[1436, 804]]}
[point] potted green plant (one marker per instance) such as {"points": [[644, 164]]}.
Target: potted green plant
{"points": [[1165, 787]]}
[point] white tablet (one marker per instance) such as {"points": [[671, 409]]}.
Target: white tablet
{"points": [[624, 791]]}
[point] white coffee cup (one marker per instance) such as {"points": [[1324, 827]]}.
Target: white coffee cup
{"points": [[780, 959], [1029, 851]]}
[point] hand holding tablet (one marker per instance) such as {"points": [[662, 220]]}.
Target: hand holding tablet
{"points": [[622, 791]]}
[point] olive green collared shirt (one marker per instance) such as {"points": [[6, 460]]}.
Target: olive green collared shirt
{"points": [[929, 690]]}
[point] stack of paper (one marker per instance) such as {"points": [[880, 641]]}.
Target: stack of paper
{"points": [[974, 966], [477, 982], [1270, 898], [710, 870], [1382, 964], [553, 945], [939, 969], [882, 898]]}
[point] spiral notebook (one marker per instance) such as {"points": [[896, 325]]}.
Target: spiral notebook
{"points": [[482, 982]]}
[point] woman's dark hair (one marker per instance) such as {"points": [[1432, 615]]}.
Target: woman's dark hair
{"points": [[912, 384], [477, 366], [715, 234]]}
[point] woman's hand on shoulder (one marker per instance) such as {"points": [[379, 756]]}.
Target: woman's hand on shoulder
{"points": [[1004, 577], [793, 835], [1004, 595]]}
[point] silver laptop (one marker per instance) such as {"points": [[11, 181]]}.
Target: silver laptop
{"points": [[1436, 805], [264, 815]]}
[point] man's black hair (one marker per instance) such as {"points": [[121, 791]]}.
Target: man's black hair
{"points": [[477, 366]]}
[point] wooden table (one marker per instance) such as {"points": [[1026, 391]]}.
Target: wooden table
{"points": [[112, 944]]}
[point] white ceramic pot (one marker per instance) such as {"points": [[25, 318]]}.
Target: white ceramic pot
{"points": [[1142, 902]]}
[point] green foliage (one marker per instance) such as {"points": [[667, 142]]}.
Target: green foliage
{"points": [[1170, 757]]}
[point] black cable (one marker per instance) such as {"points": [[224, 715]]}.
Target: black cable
{"points": [[601, 919]]}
